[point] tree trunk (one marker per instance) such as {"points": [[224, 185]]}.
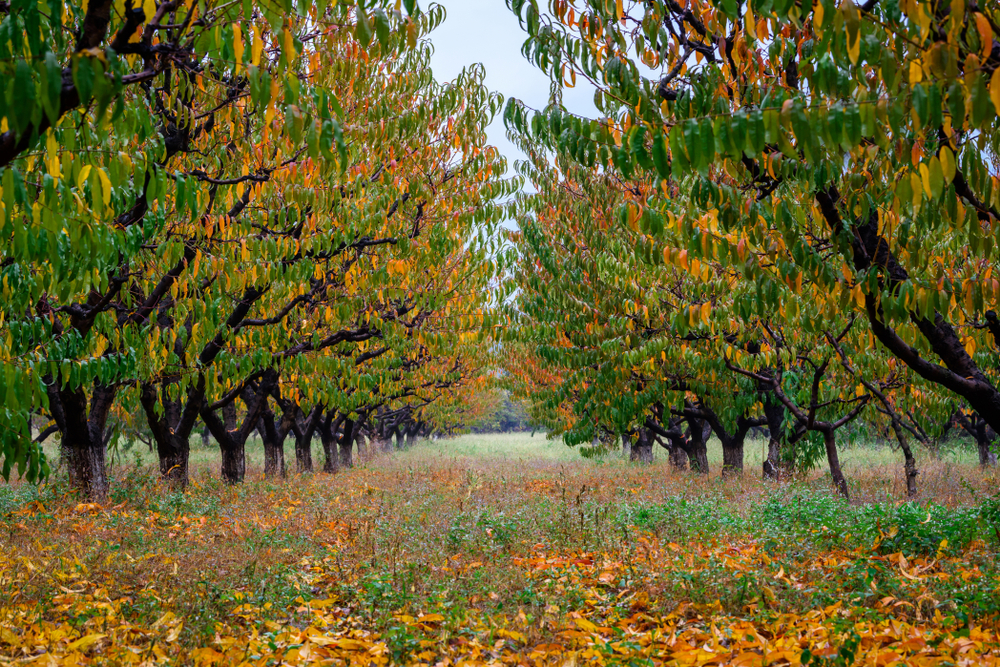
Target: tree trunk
{"points": [[303, 453], [830, 441], [273, 437], [329, 451], [777, 466], [981, 432], [732, 443], [171, 424], [234, 460], [642, 448], [274, 456], [328, 437], [678, 457], [697, 449], [984, 443], [232, 438], [732, 458], [83, 439], [909, 462], [346, 444]]}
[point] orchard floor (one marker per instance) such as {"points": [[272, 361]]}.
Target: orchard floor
{"points": [[506, 550]]}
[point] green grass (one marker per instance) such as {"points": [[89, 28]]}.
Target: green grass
{"points": [[537, 448]]}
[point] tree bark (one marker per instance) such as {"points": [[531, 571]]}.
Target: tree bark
{"points": [[642, 448], [274, 434], [832, 457], [304, 430], [777, 465], [732, 443], [328, 437], [732, 459], [346, 444], [274, 450], [697, 445], [171, 430], [232, 438], [84, 445], [909, 462]]}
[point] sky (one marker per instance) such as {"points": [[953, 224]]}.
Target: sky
{"points": [[487, 32]]}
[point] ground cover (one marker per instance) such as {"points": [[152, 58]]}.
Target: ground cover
{"points": [[505, 550]]}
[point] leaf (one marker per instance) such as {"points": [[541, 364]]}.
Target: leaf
{"points": [[995, 89], [660, 158], [84, 643], [256, 48], [982, 107], [947, 164], [935, 177], [852, 21], [238, 47], [82, 177], [363, 28], [985, 34], [382, 28]]}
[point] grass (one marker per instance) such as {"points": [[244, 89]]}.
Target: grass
{"points": [[490, 533]]}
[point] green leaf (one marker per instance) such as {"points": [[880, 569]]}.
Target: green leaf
{"points": [[363, 28], [956, 104], [382, 28], [660, 158], [982, 105]]}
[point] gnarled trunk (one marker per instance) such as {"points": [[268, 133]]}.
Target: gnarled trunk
{"points": [[171, 427], [697, 445], [642, 448], [84, 445], [232, 437]]}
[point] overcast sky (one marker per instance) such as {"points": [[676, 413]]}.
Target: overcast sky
{"points": [[487, 32]]}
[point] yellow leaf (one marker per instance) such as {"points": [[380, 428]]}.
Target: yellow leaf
{"points": [[84, 643], [916, 72], [854, 48], [105, 186], [174, 632], [948, 163], [256, 47], [995, 89], [985, 34], [706, 309], [149, 9], [970, 346], [818, 15], [82, 176], [942, 547], [238, 46]]}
